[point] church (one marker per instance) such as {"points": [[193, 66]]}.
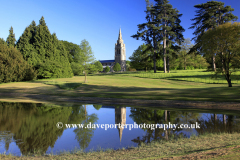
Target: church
{"points": [[120, 55]]}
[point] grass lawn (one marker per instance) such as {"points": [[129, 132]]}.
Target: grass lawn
{"points": [[130, 86]]}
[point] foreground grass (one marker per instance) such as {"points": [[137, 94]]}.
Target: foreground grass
{"points": [[126, 86], [207, 146]]}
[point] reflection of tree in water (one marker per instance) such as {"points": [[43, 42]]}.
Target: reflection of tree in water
{"points": [[153, 116], [33, 124], [219, 123], [84, 135]]}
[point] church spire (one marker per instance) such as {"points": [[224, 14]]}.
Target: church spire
{"points": [[120, 34]]}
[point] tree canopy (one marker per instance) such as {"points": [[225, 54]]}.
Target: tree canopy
{"points": [[224, 40]]}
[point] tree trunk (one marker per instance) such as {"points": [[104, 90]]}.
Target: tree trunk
{"points": [[165, 115], [85, 74], [229, 83], [213, 63], [154, 60], [154, 53], [168, 65], [229, 80], [164, 50], [185, 63]]}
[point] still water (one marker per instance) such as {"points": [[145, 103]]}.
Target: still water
{"points": [[29, 127]]}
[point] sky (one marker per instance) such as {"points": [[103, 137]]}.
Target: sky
{"points": [[97, 21]]}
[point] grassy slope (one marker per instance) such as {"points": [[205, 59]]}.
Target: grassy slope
{"points": [[127, 86]]}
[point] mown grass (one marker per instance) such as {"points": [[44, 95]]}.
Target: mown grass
{"points": [[126, 86], [198, 75], [194, 147], [64, 85]]}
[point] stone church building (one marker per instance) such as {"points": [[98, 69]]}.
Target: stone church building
{"points": [[120, 55]]}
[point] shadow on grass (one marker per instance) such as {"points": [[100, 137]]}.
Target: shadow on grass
{"points": [[218, 94]]}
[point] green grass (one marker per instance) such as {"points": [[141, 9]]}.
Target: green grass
{"points": [[199, 76], [128, 86], [64, 85]]}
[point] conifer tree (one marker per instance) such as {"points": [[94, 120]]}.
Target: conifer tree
{"points": [[25, 45], [44, 51], [148, 32], [11, 38], [168, 21], [163, 25], [209, 16]]}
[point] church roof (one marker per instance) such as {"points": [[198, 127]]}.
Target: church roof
{"points": [[107, 61]]}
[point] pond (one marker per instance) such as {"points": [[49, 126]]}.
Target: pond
{"points": [[29, 127]]}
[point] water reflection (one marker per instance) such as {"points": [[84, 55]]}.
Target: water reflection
{"points": [[120, 118], [84, 135], [32, 127]]}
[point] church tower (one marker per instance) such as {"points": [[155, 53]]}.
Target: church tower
{"points": [[120, 52]]}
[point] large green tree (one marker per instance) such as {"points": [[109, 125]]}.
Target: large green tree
{"points": [[148, 32], [11, 38], [44, 51], [224, 39], [168, 21], [163, 25], [210, 15]]}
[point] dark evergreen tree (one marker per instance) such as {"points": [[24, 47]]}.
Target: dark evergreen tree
{"points": [[168, 22], [148, 32], [163, 25], [210, 15], [44, 51], [25, 45], [11, 38]]}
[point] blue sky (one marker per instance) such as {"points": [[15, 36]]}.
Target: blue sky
{"points": [[97, 21]]}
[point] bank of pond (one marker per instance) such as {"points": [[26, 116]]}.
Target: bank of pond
{"points": [[53, 128]]}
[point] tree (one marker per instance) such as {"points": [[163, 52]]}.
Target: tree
{"points": [[44, 51], [210, 15], [11, 38], [141, 58], [107, 69], [86, 56], [26, 47], [117, 67], [169, 23], [98, 66], [183, 56], [73, 50], [77, 68], [148, 32], [163, 24], [13, 68], [223, 39]]}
